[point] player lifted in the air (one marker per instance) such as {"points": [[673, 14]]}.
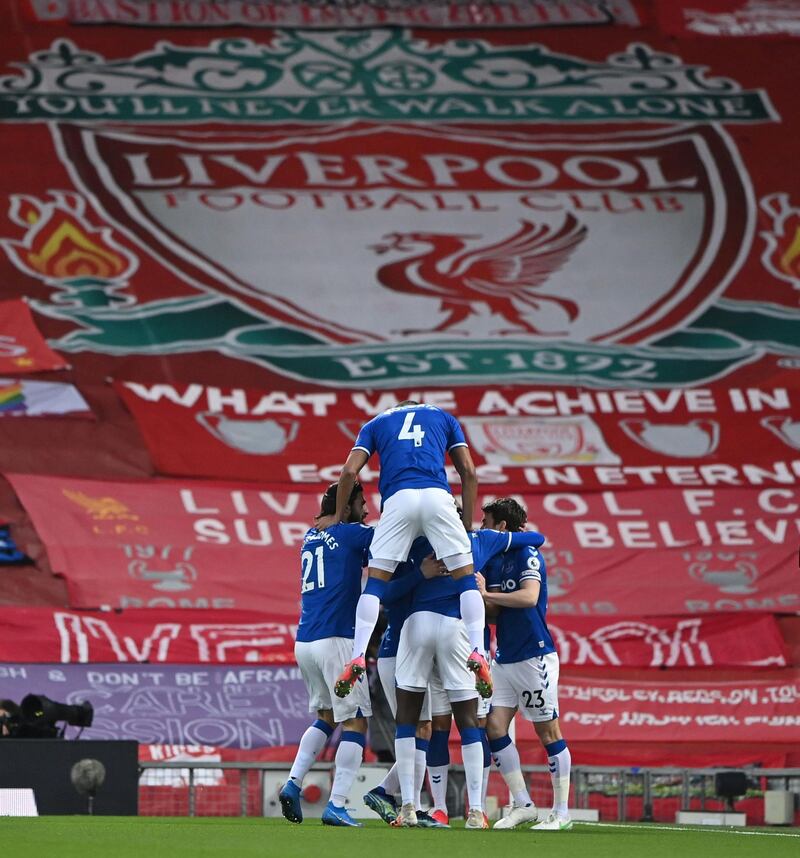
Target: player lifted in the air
{"points": [[331, 564], [525, 670], [411, 441]]}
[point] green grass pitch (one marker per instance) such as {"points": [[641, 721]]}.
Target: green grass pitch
{"points": [[153, 837]]}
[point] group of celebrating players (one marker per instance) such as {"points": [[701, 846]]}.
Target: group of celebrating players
{"points": [[438, 580]]}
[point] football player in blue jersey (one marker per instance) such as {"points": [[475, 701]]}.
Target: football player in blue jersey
{"points": [[411, 441], [397, 602], [525, 670], [435, 635], [331, 564]]}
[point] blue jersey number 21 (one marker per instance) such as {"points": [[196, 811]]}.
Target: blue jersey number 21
{"points": [[410, 431], [310, 562]]}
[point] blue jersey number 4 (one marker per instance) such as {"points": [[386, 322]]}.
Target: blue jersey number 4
{"points": [[313, 562], [411, 431]]}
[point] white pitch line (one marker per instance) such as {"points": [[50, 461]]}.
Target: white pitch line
{"points": [[708, 829]]}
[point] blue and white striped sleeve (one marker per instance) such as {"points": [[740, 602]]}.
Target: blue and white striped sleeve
{"points": [[455, 437], [366, 440]]}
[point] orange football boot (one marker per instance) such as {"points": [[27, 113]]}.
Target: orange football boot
{"points": [[483, 678], [352, 672]]}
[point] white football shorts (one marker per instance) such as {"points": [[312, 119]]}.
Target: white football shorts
{"points": [[387, 668], [321, 662], [420, 512], [429, 639], [440, 702], [531, 685]]}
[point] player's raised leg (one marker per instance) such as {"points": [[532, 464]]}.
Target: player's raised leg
{"points": [[447, 532], [396, 530], [367, 611], [473, 612], [474, 617]]}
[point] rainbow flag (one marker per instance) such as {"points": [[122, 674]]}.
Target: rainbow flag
{"points": [[22, 398], [12, 398]]}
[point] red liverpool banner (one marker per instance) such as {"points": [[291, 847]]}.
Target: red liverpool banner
{"points": [[171, 544], [184, 637], [392, 207], [522, 438], [193, 544], [718, 640], [176, 636], [730, 18], [678, 711], [22, 348]]}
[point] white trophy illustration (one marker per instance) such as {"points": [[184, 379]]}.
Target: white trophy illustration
{"points": [[168, 580], [264, 437], [691, 440], [785, 428], [736, 579]]}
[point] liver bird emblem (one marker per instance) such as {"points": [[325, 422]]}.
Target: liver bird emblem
{"points": [[505, 276], [100, 509]]}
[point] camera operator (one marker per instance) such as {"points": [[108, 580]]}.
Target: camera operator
{"points": [[9, 715], [36, 717]]}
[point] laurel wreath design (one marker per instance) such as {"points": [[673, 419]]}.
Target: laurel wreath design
{"points": [[371, 62]]}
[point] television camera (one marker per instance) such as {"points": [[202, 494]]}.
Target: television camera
{"points": [[37, 717]]}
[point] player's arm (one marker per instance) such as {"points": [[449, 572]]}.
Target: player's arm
{"points": [[462, 461], [526, 538], [526, 596], [397, 587], [355, 462]]}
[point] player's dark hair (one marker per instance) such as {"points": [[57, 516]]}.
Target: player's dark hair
{"points": [[406, 402], [509, 511], [328, 504]]}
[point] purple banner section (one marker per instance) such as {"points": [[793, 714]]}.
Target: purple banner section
{"points": [[227, 707]]}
